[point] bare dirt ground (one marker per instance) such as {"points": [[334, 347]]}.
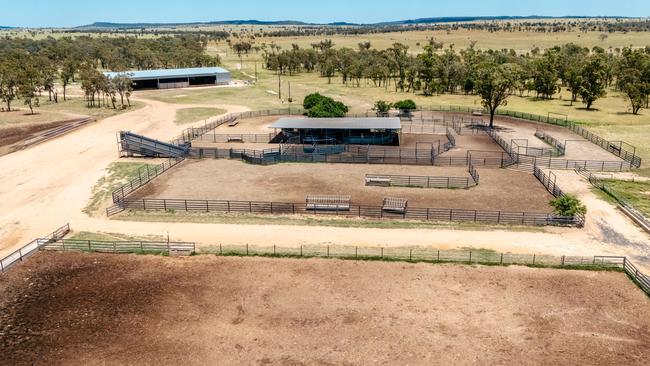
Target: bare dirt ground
{"points": [[291, 182], [476, 143], [604, 220], [93, 309]]}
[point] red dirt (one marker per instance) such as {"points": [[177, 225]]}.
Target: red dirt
{"points": [[92, 309]]}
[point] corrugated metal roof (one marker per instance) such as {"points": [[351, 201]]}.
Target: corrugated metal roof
{"points": [[171, 73], [368, 123]]}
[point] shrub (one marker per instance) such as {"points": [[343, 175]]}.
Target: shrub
{"points": [[405, 105], [568, 205], [319, 106], [382, 107]]}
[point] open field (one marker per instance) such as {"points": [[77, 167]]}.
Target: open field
{"points": [[189, 115], [142, 310], [636, 193], [499, 189]]}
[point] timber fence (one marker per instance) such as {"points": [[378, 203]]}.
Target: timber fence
{"points": [[27, 250]]}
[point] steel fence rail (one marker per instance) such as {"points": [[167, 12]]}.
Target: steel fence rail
{"points": [[144, 176], [625, 206], [420, 181], [364, 211], [27, 250], [105, 246]]}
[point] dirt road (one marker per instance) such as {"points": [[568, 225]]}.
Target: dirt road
{"points": [[49, 184]]}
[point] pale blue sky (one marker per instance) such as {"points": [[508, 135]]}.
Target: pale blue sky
{"points": [[53, 13]]}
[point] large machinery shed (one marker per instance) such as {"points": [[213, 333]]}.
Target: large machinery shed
{"points": [[175, 78]]}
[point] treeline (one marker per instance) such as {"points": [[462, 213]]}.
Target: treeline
{"points": [[538, 26], [118, 53], [585, 74], [29, 67]]}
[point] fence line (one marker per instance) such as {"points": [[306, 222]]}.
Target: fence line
{"points": [[145, 175], [104, 246], [364, 211], [621, 149], [527, 162], [555, 143], [549, 181], [29, 249], [420, 181], [625, 206], [417, 254], [246, 137]]}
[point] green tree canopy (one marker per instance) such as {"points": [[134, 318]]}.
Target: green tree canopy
{"points": [[568, 205], [319, 106], [494, 85]]}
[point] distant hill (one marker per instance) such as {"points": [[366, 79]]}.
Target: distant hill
{"points": [[109, 25]]}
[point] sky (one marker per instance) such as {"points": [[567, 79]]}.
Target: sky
{"points": [[66, 13]]}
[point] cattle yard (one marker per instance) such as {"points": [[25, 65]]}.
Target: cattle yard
{"points": [[442, 166]]}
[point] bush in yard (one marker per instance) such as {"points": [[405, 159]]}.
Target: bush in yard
{"points": [[568, 205], [405, 105], [318, 106], [382, 108]]}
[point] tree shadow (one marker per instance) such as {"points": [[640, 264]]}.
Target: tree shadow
{"points": [[588, 110]]}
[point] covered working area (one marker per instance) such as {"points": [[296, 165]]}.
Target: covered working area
{"points": [[175, 78], [332, 131]]}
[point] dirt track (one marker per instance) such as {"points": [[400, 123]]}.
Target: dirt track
{"points": [[499, 189], [91, 309]]}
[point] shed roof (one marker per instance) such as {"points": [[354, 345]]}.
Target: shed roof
{"points": [[170, 73], [367, 123]]}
